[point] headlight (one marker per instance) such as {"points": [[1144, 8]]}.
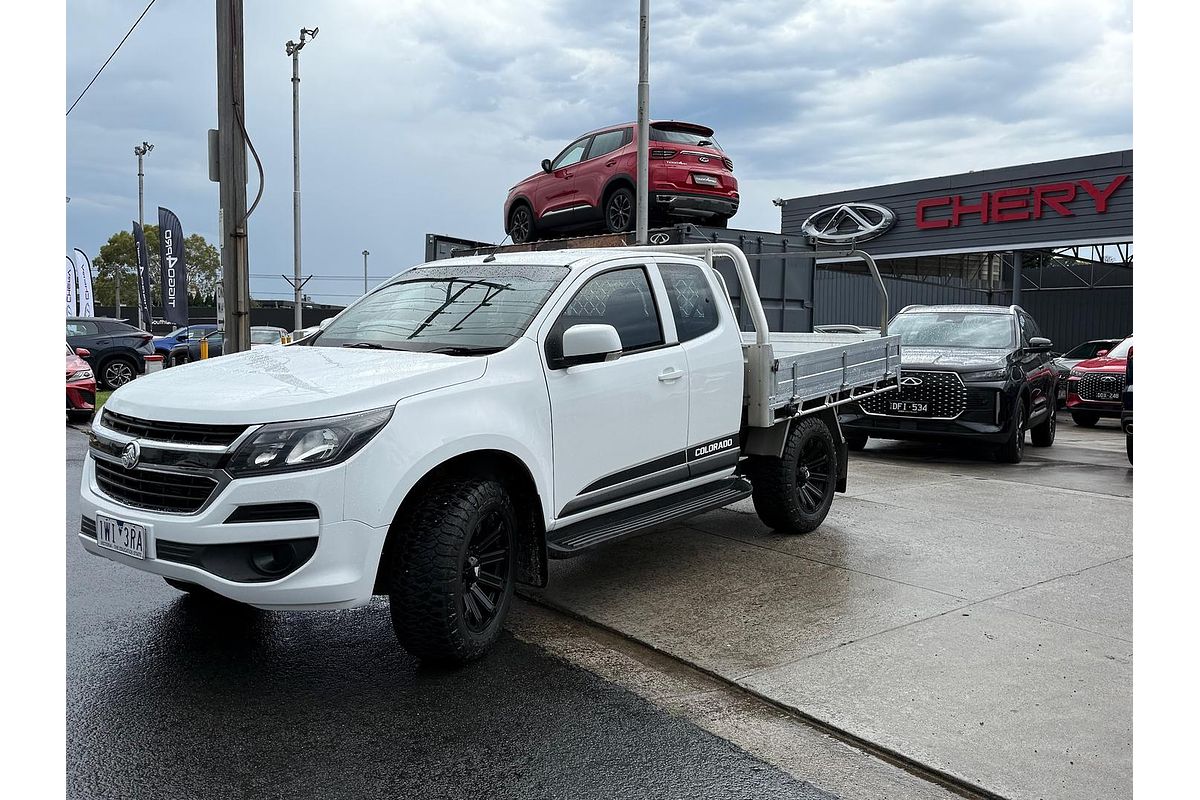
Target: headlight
{"points": [[1076, 372], [81, 375], [986, 375], [307, 444]]}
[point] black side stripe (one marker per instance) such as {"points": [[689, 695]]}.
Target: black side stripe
{"points": [[723, 446], [639, 471]]}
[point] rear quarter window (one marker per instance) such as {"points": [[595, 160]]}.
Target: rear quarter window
{"points": [[691, 298]]}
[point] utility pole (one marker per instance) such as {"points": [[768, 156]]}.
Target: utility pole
{"points": [[365, 254], [140, 151], [231, 167], [293, 49], [642, 201]]}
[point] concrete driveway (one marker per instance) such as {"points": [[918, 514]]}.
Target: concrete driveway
{"points": [[969, 616]]}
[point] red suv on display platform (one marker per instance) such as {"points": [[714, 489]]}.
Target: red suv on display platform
{"points": [[1095, 386], [591, 182]]}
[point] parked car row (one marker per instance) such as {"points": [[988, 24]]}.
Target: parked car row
{"points": [[116, 350], [1095, 387]]}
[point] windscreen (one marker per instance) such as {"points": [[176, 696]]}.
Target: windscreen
{"points": [[465, 310], [265, 336], [953, 329], [1121, 350]]}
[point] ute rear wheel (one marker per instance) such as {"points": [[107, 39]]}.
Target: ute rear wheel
{"points": [[793, 493], [452, 570]]}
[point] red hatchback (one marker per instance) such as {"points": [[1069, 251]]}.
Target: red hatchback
{"points": [[81, 386], [591, 182], [1094, 386]]}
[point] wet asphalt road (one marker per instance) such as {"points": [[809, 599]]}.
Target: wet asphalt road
{"points": [[171, 698]]}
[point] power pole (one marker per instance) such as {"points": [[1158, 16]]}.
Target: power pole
{"points": [[642, 201], [293, 49], [140, 151], [365, 254], [231, 166]]}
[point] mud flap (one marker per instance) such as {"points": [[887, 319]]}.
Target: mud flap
{"points": [[770, 441]]}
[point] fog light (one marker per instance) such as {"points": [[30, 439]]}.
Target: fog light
{"points": [[273, 558]]}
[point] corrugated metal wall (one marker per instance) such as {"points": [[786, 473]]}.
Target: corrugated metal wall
{"points": [[1066, 316]]}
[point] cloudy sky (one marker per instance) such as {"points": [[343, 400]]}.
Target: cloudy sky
{"points": [[418, 117]]}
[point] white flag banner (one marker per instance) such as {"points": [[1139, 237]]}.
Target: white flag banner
{"points": [[83, 277], [72, 308]]}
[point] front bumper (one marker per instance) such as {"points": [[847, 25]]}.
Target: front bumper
{"points": [[986, 421], [1103, 408], [81, 395], [339, 574]]}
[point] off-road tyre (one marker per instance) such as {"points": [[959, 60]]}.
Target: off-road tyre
{"points": [[793, 493], [1013, 449], [1085, 419], [856, 441], [432, 581], [1042, 434]]}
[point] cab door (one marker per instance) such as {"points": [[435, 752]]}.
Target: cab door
{"points": [[619, 427]]}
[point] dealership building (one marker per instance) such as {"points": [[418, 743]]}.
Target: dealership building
{"points": [[1054, 238]]}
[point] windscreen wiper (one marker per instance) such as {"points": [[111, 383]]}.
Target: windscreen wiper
{"points": [[369, 346], [465, 350]]}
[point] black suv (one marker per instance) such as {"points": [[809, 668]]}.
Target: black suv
{"points": [[117, 349], [973, 373]]}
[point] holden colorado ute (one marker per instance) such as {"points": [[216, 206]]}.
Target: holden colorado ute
{"points": [[444, 436]]}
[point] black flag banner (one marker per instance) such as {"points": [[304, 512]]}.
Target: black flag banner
{"points": [[143, 277], [173, 268]]}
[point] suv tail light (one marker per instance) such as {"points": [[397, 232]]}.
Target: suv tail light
{"points": [[728, 163], [661, 152], [147, 337]]}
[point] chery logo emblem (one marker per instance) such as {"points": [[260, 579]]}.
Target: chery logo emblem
{"points": [[660, 238], [848, 222], [131, 454], [911, 381]]}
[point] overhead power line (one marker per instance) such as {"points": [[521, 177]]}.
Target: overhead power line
{"points": [[110, 58]]}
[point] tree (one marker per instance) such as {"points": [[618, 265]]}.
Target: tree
{"points": [[118, 256]]}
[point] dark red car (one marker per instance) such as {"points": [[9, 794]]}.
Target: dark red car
{"points": [[1094, 387], [591, 183], [81, 386]]}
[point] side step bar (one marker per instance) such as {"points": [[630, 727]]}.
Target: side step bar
{"points": [[571, 540]]}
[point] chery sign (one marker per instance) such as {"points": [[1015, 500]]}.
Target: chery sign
{"points": [[1015, 204]]}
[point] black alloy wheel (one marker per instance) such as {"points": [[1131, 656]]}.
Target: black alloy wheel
{"points": [[520, 224], [812, 474], [618, 211], [485, 570], [118, 372], [793, 492], [1013, 450]]}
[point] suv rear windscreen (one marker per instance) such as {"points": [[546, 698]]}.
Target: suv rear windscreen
{"points": [[682, 137]]}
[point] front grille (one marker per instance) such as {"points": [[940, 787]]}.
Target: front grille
{"points": [[943, 391], [1092, 383], [174, 432], [274, 512], [176, 492], [87, 527]]}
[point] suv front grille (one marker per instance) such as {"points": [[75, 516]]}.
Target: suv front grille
{"points": [[942, 391], [172, 432], [176, 492], [1091, 384]]}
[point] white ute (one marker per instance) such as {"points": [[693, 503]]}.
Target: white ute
{"points": [[467, 420]]}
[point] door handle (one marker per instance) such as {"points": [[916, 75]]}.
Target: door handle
{"points": [[671, 374], [610, 163]]}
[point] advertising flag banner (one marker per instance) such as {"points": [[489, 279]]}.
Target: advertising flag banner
{"points": [[143, 275], [173, 267], [83, 277], [72, 308]]}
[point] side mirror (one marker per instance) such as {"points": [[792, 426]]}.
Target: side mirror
{"points": [[83, 352], [1040, 344], [1101, 353], [546, 165], [589, 344], [323, 324]]}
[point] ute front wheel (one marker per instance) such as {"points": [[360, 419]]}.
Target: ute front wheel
{"points": [[793, 493], [452, 571]]}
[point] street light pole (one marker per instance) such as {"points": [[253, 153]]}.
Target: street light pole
{"points": [[642, 201], [365, 254], [140, 151], [293, 49]]}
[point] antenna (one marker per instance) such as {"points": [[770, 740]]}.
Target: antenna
{"points": [[491, 256]]}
